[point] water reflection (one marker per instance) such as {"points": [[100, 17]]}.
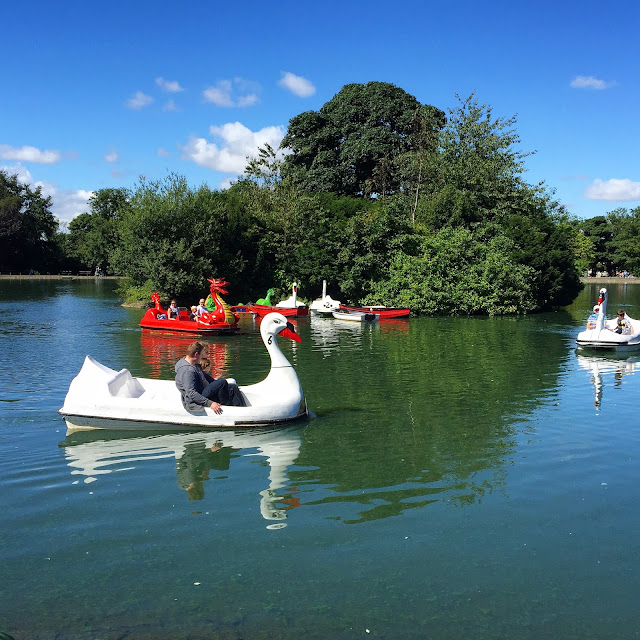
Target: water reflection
{"points": [[160, 351], [330, 336], [601, 367], [96, 453]]}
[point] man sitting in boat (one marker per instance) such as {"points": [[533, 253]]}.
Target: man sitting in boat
{"points": [[593, 318], [623, 325], [198, 389]]}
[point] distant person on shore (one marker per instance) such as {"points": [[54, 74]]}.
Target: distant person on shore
{"points": [[199, 389], [172, 311]]}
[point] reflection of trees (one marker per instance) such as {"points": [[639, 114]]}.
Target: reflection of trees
{"points": [[429, 415]]}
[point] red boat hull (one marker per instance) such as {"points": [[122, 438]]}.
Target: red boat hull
{"points": [[288, 312], [384, 312], [184, 325]]}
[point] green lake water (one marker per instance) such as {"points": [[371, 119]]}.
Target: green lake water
{"points": [[461, 478]]}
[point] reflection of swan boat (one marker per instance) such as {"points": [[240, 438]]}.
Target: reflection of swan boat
{"points": [[100, 397], [599, 367], [604, 337], [92, 454]]}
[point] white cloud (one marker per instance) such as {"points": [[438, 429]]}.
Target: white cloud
{"points": [[163, 153], [112, 156], [66, 204], [247, 101], [219, 95], [613, 190], [237, 142], [139, 100], [170, 106], [29, 154], [589, 82], [169, 86], [224, 93], [297, 84]]}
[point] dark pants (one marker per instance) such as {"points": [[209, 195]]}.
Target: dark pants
{"points": [[222, 392]]}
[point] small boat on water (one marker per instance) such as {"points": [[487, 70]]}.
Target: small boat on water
{"points": [[219, 320], [380, 310], [621, 334], [103, 398], [355, 316], [291, 307], [324, 306]]}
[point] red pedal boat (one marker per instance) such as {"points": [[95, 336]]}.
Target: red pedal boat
{"points": [[384, 312], [219, 320]]}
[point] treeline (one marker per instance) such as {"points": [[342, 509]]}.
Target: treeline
{"points": [[388, 200]]}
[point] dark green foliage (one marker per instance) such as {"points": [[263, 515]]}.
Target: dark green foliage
{"points": [[625, 240], [350, 146], [600, 232], [28, 229]]}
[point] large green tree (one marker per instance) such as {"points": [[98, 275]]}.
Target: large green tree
{"points": [[625, 241], [27, 227], [351, 146], [93, 237]]}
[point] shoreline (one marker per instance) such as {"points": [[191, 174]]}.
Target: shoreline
{"points": [[59, 276], [26, 276]]}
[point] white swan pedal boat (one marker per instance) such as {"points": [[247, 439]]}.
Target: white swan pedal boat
{"points": [[604, 337], [102, 398]]}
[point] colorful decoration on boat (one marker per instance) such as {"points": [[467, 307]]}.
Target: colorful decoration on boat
{"points": [[219, 309], [267, 299]]}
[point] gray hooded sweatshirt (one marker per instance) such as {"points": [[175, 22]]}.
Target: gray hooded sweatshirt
{"points": [[191, 381]]}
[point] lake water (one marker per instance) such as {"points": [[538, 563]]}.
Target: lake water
{"points": [[462, 478]]}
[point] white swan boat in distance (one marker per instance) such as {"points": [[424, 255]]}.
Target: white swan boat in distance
{"points": [[102, 398], [604, 336]]}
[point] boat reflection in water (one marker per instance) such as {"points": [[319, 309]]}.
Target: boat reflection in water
{"points": [[601, 367], [95, 453], [161, 351]]}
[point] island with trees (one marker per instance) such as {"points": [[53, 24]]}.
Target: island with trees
{"points": [[391, 201]]}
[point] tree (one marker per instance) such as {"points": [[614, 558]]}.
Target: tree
{"points": [[599, 231], [27, 227], [625, 242], [93, 237], [350, 145]]}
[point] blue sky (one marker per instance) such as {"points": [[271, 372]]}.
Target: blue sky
{"points": [[94, 95]]}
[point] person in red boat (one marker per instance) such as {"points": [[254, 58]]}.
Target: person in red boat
{"points": [[199, 389], [201, 308], [172, 311]]}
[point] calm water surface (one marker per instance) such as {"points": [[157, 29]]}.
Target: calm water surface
{"points": [[461, 478]]}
